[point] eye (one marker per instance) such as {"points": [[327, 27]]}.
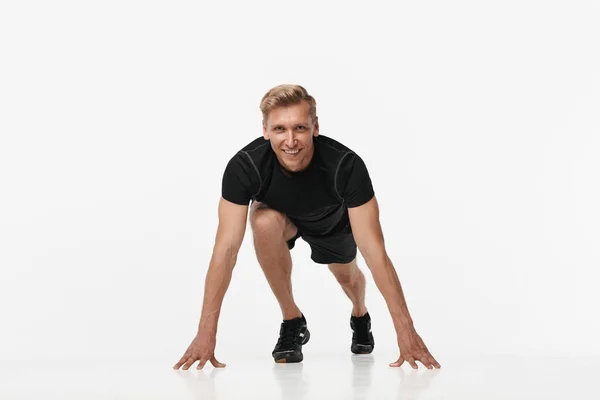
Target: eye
{"points": [[278, 128], [301, 127]]}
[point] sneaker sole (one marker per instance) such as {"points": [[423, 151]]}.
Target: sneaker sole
{"points": [[362, 349], [293, 357]]}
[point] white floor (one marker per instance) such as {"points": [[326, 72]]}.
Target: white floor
{"points": [[341, 377]]}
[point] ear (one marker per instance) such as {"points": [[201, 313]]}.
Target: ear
{"points": [[265, 132], [316, 127]]}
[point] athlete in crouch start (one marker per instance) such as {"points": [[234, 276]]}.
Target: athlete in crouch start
{"points": [[295, 183]]}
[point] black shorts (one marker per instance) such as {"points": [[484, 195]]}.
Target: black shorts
{"points": [[339, 248]]}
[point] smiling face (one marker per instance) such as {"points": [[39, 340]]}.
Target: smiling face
{"points": [[290, 129]]}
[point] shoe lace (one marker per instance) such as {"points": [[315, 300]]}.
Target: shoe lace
{"points": [[361, 330], [288, 335]]}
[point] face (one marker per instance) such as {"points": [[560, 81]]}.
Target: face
{"points": [[290, 130]]}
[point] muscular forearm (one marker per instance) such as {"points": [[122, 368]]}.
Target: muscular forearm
{"points": [[386, 279], [216, 283]]}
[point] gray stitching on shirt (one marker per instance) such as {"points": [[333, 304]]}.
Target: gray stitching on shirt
{"points": [[257, 173], [333, 148], [259, 146], [336, 174]]}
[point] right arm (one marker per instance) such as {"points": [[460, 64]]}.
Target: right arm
{"points": [[230, 233]]}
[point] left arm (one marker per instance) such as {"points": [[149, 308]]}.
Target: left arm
{"points": [[368, 235]]}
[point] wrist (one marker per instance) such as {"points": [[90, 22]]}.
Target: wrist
{"points": [[403, 323], [207, 325]]}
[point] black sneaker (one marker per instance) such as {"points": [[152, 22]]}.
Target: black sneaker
{"points": [[292, 335], [362, 338]]}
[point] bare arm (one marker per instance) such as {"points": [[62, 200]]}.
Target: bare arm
{"points": [[230, 233], [368, 235], [369, 239]]}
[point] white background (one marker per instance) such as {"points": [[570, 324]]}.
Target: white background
{"points": [[478, 122]]}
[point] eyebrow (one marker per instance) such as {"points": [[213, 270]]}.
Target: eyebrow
{"points": [[299, 123]]}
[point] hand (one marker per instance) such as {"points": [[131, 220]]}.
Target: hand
{"points": [[202, 349], [412, 349]]}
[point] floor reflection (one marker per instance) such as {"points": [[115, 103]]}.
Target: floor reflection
{"points": [[414, 382], [291, 382], [362, 372], [201, 383]]}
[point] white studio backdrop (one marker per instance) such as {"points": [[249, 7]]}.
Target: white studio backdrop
{"points": [[478, 122]]}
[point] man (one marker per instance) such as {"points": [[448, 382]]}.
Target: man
{"points": [[302, 185]]}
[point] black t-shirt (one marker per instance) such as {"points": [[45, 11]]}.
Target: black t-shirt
{"points": [[315, 199]]}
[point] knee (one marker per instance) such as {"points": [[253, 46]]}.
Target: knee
{"points": [[267, 221], [345, 279], [347, 276]]}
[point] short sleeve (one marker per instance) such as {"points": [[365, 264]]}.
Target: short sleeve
{"points": [[240, 180], [353, 181]]}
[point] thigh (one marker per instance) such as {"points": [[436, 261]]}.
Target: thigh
{"points": [[289, 231]]}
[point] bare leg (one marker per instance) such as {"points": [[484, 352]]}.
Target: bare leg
{"points": [[353, 282], [271, 231]]}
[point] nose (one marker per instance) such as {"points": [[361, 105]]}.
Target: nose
{"points": [[290, 140]]}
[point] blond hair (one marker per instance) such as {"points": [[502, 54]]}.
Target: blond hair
{"points": [[287, 95]]}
